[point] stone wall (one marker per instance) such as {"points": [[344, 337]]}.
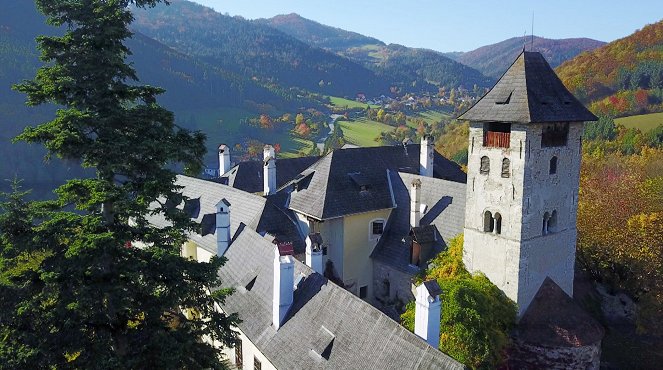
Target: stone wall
{"points": [[399, 286], [529, 356]]}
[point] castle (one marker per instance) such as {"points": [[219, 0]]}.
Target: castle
{"points": [[316, 244]]}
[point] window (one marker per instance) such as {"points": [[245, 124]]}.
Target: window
{"points": [[488, 222], [256, 364], [497, 135], [498, 223], [377, 227], [546, 218], [363, 292], [553, 166], [238, 354], [554, 134], [506, 167], [485, 165]]}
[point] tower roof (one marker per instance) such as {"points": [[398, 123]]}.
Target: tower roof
{"points": [[528, 92]]}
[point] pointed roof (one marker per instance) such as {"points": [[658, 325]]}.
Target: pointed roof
{"points": [[555, 319], [528, 92]]}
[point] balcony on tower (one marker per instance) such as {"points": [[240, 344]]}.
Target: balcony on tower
{"points": [[496, 135]]}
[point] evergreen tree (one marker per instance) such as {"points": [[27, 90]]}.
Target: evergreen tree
{"points": [[85, 294]]}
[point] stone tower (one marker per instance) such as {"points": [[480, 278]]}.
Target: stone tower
{"points": [[522, 180]]}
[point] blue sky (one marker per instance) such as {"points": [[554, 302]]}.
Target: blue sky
{"points": [[460, 25]]}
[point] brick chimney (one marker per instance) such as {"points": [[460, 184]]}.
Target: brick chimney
{"points": [[427, 312], [415, 201], [314, 252], [426, 156], [224, 159], [222, 226], [284, 277], [269, 174]]}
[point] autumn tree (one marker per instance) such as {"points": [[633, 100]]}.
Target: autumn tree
{"points": [[476, 316], [83, 294]]}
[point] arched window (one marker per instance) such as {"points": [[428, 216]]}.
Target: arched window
{"points": [[552, 222], [488, 222], [546, 218], [506, 167], [553, 166], [485, 165], [498, 223]]}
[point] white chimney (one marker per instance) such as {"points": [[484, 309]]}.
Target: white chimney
{"points": [[427, 312], [224, 159], [314, 253], [284, 277], [415, 201], [222, 226], [426, 156], [269, 174]]}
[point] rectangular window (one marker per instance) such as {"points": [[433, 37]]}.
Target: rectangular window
{"points": [[363, 292], [497, 135], [238, 354], [554, 134], [256, 364], [378, 227]]}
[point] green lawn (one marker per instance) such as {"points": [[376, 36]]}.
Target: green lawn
{"points": [[429, 116], [643, 122], [295, 146], [363, 132], [347, 103]]}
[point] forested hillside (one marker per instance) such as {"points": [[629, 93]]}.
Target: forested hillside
{"points": [[493, 60], [253, 50], [409, 69], [316, 34], [621, 78], [191, 85]]}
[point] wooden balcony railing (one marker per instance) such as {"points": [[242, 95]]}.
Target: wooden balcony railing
{"points": [[496, 139]]}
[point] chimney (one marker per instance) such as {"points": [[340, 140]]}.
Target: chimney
{"points": [[426, 156], [415, 200], [269, 174], [222, 226], [427, 312], [284, 277], [314, 252], [224, 159]]}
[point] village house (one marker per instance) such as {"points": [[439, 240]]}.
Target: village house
{"points": [[322, 250]]}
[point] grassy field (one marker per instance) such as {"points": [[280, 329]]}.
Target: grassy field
{"points": [[347, 103], [363, 132], [296, 145], [643, 122], [429, 116]]}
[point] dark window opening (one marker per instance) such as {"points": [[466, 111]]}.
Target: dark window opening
{"points": [[378, 227], [485, 165], [238, 355], [363, 292], [497, 135], [506, 168], [251, 283], [324, 251], [553, 166], [256, 364], [554, 134], [488, 222]]}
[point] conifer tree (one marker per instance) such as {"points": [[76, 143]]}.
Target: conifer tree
{"points": [[84, 293]]}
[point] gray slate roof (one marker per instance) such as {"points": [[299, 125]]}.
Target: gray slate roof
{"points": [[445, 209], [323, 316], [528, 92], [248, 175], [333, 185], [260, 214]]}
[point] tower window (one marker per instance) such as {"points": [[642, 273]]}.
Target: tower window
{"points": [[496, 135], [553, 166], [552, 222], [554, 134], [506, 167], [485, 165], [546, 219], [488, 224], [498, 223]]}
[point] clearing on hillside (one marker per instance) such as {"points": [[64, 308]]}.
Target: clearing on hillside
{"points": [[642, 122]]}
